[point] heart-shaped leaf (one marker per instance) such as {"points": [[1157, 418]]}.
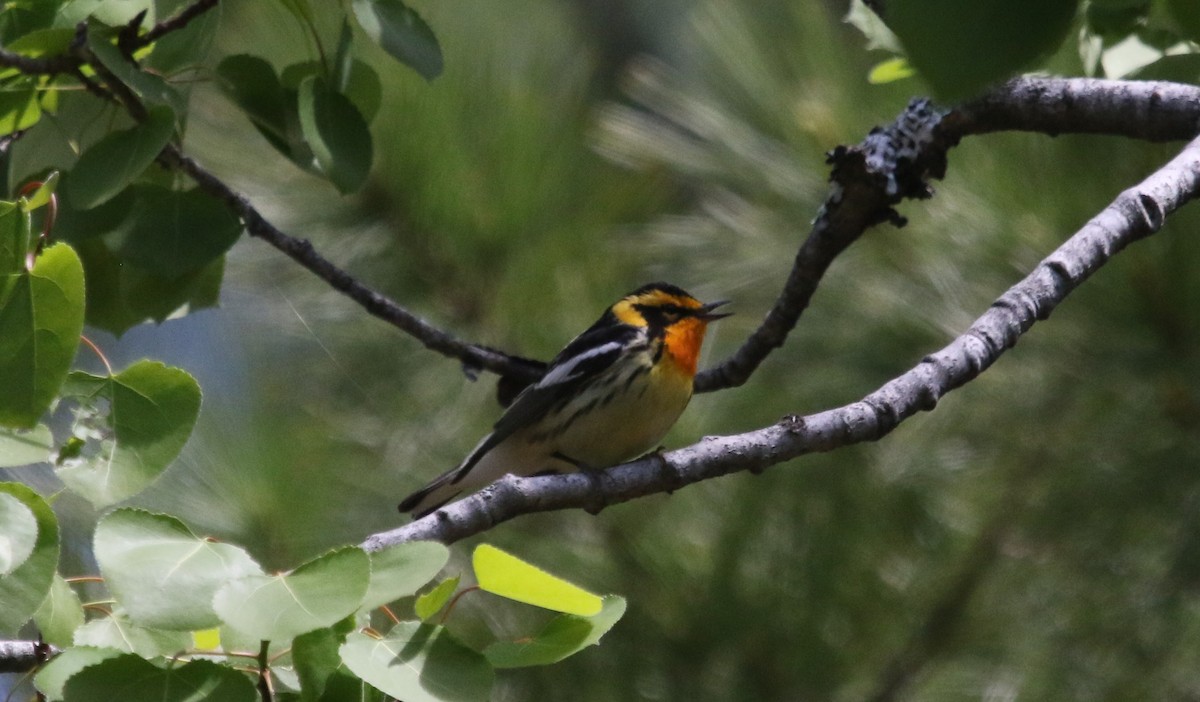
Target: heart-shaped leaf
{"points": [[131, 425], [23, 589], [116, 631], [173, 232], [162, 574], [123, 295], [53, 676], [400, 570], [419, 663], [315, 595], [41, 318], [960, 47], [564, 636], [129, 677], [22, 447]]}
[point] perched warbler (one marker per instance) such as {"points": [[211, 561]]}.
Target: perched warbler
{"points": [[609, 396]]}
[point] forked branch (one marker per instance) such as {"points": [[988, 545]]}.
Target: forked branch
{"points": [[1134, 214]]}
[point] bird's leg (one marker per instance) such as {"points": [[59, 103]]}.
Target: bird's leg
{"points": [[665, 469], [594, 476], [578, 465]]}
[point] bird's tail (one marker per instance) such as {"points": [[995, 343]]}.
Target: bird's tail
{"points": [[452, 483], [432, 496]]}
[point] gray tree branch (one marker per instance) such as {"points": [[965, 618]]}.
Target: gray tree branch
{"points": [[1134, 214], [20, 656], [895, 162]]}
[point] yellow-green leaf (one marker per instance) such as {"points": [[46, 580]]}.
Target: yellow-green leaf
{"points": [[504, 574], [890, 71]]}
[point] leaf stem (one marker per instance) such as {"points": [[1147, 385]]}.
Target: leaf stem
{"points": [[265, 691], [96, 350], [450, 607]]}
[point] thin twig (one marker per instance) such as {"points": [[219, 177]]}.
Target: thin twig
{"points": [[69, 62], [302, 252], [177, 21], [38, 66]]}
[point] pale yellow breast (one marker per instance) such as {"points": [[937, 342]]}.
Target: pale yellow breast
{"points": [[632, 423]]}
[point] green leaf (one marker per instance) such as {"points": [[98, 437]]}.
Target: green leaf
{"points": [[116, 631], [402, 33], [419, 663], [564, 636], [53, 676], [115, 161], [343, 59], [960, 47], [300, 9], [23, 589], [19, 108], [865, 20], [15, 240], [174, 233], [354, 78], [1114, 23], [117, 13], [1182, 68], [315, 657], [186, 47], [890, 71], [22, 447], [41, 196], [43, 42], [207, 639], [148, 413], [41, 318], [236, 640], [162, 574], [251, 83], [336, 133], [18, 533], [123, 295], [148, 86], [75, 225], [294, 74], [315, 595], [342, 686], [60, 614], [129, 677], [364, 89], [432, 602], [1186, 14], [400, 570], [504, 574]]}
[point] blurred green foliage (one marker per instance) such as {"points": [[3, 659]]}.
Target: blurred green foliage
{"points": [[1034, 537]]}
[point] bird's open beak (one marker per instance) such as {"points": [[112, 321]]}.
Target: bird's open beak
{"points": [[706, 311]]}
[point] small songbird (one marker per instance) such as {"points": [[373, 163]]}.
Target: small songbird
{"points": [[609, 396]]}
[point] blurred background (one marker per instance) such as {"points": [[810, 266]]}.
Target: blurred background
{"points": [[1037, 537]]}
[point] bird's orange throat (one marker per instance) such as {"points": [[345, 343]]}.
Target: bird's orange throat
{"points": [[683, 340]]}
